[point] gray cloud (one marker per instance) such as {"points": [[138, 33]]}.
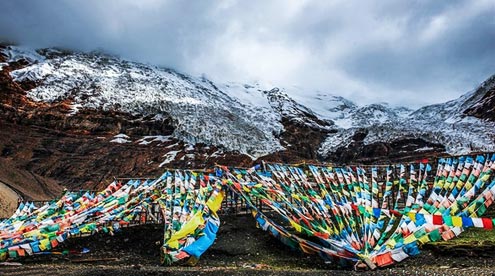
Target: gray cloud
{"points": [[403, 52]]}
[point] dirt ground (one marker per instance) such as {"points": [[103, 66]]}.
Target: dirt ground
{"points": [[240, 249], [8, 201]]}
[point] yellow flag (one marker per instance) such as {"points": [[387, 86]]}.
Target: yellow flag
{"points": [[188, 228], [215, 203], [472, 208], [424, 239], [391, 243], [412, 216], [44, 243], [457, 221], [296, 226], [409, 239]]}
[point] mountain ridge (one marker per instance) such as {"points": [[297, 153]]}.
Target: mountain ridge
{"points": [[152, 117]]}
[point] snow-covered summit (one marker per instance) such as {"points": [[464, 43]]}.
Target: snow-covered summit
{"points": [[347, 114]]}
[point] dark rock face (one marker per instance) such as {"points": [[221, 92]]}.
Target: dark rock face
{"points": [[406, 149], [485, 109], [89, 162], [301, 141], [303, 131]]}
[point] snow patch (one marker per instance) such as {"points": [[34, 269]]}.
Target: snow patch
{"points": [[146, 140], [169, 157], [74, 109], [121, 139], [217, 153], [121, 135], [189, 147], [189, 156], [248, 94], [424, 149]]}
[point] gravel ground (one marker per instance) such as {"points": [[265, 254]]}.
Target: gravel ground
{"points": [[240, 249]]}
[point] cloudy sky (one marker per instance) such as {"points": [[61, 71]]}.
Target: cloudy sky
{"points": [[402, 52]]}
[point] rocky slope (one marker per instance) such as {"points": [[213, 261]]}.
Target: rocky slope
{"points": [[77, 119], [483, 107]]}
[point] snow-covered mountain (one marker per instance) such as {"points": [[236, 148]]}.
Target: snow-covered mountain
{"points": [[445, 124], [202, 113], [248, 118]]}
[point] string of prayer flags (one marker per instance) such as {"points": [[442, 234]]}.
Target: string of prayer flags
{"points": [[188, 201], [376, 215]]}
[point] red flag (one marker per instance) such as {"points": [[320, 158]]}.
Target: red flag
{"points": [[437, 220], [487, 223]]}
